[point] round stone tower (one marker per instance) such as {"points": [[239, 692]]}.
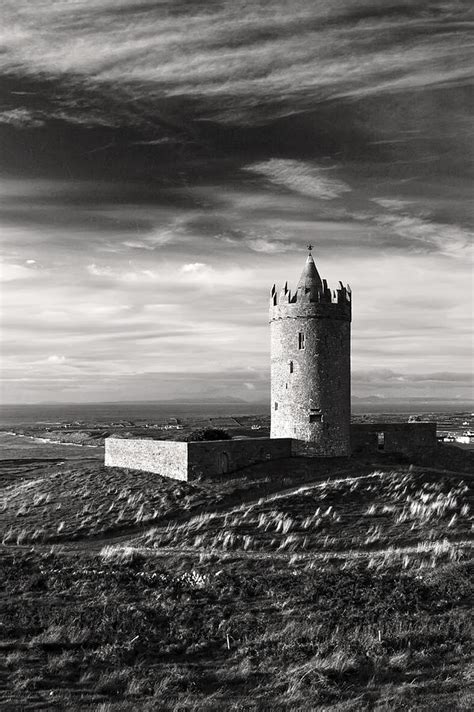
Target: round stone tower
{"points": [[311, 365]]}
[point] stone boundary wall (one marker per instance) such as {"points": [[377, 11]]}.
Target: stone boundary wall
{"points": [[217, 457], [405, 438], [163, 457], [211, 458], [189, 460]]}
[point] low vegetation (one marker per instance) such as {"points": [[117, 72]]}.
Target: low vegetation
{"points": [[208, 434], [76, 502], [383, 510], [184, 633], [342, 587], [53, 502]]}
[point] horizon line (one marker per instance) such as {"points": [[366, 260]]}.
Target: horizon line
{"points": [[374, 399]]}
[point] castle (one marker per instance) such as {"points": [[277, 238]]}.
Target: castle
{"points": [[310, 397], [311, 365]]}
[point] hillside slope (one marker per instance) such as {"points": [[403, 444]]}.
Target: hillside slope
{"points": [[330, 586]]}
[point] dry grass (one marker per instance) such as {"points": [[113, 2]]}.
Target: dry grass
{"points": [[400, 510], [344, 594], [181, 633], [92, 502]]}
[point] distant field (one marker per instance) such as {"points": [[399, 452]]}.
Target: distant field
{"points": [[90, 425], [336, 585]]}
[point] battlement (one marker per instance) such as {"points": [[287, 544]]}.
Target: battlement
{"points": [[304, 295], [316, 302]]}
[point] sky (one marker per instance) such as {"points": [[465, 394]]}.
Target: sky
{"points": [[164, 162]]}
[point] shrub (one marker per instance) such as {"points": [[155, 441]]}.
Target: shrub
{"points": [[113, 683], [208, 434], [121, 555]]}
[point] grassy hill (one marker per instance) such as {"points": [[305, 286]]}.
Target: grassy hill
{"points": [[338, 585]]}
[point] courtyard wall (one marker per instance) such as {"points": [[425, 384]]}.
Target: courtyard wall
{"points": [[163, 457], [404, 438], [211, 458], [190, 460], [216, 457]]}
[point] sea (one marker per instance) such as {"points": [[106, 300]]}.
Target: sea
{"points": [[55, 413], [106, 413]]}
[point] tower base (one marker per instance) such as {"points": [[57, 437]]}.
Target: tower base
{"points": [[303, 448]]}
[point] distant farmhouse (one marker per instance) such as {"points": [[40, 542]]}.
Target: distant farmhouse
{"points": [[310, 397]]}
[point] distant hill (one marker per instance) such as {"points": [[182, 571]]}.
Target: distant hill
{"points": [[170, 401], [365, 404]]}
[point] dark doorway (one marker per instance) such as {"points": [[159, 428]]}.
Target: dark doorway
{"points": [[223, 463]]}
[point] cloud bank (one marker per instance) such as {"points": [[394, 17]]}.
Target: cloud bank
{"points": [[165, 162]]}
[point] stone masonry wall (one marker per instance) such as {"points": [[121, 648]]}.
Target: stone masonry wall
{"points": [[216, 457], [187, 461], [415, 438], [310, 386], [163, 457], [408, 438], [363, 440]]}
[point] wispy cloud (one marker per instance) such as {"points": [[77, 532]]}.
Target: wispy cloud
{"points": [[9, 271], [269, 246], [302, 177], [283, 56], [20, 118], [56, 359], [396, 218], [193, 267], [452, 240], [130, 275]]}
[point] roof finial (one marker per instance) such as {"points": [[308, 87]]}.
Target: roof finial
{"points": [[310, 247]]}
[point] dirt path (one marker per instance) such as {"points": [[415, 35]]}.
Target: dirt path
{"points": [[326, 556]]}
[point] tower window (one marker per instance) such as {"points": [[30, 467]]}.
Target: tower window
{"points": [[276, 405], [291, 365], [301, 340]]}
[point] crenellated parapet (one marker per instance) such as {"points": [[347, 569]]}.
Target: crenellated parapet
{"points": [[315, 302]]}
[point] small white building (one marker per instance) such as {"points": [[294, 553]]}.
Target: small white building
{"points": [[466, 438]]}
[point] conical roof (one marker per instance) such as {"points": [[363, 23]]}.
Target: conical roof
{"points": [[310, 280]]}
